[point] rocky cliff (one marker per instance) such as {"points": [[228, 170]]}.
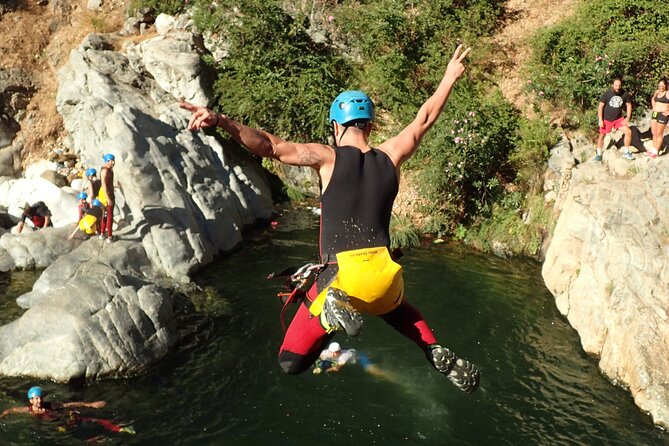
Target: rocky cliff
{"points": [[607, 264], [181, 198]]}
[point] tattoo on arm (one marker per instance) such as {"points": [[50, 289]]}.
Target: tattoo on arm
{"points": [[306, 157]]}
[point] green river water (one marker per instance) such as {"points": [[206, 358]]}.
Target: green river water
{"points": [[222, 385]]}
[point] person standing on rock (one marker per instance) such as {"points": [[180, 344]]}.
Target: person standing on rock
{"points": [[358, 187], [660, 117], [106, 195], [94, 184], [610, 117], [38, 214]]}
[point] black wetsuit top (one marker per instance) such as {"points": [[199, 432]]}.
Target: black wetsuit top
{"points": [[356, 206], [97, 184]]}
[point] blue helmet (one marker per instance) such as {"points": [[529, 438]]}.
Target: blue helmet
{"points": [[108, 157], [34, 391], [97, 203], [351, 106], [90, 172], [82, 196]]}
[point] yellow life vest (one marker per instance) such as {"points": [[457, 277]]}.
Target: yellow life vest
{"points": [[102, 196], [88, 224], [370, 277]]}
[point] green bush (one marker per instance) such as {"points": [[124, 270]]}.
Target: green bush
{"points": [[577, 59], [403, 47], [276, 77], [463, 160], [403, 233], [519, 230], [530, 153]]}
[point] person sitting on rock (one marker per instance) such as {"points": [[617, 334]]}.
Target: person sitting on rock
{"points": [[57, 411], [83, 204], [38, 216], [89, 223]]}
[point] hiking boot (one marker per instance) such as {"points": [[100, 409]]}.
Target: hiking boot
{"points": [[460, 372], [340, 314]]}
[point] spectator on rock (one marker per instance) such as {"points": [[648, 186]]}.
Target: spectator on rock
{"points": [[660, 117], [610, 117]]}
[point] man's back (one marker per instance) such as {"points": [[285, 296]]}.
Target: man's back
{"points": [[357, 203]]}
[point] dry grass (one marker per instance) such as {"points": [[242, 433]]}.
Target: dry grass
{"points": [[38, 40], [524, 18]]}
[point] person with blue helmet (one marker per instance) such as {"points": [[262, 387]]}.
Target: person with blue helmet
{"points": [[54, 411], [94, 183], [37, 405], [359, 184], [82, 204], [106, 195], [89, 223]]}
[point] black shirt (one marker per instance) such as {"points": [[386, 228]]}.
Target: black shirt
{"points": [[613, 104]]}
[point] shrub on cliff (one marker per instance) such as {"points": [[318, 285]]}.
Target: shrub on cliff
{"points": [[576, 60]]}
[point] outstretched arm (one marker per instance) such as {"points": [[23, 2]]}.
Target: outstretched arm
{"points": [[401, 147], [13, 410], [260, 142], [93, 404]]}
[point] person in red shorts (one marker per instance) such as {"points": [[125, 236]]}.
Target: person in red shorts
{"points": [[610, 117]]}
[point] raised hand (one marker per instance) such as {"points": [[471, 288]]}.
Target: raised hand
{"points": [[202, 116], [456, 66]]}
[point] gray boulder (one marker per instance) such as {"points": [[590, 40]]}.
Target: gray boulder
{"points": [[90, 315]]}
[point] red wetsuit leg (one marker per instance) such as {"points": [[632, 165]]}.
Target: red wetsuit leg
{"points": [[110, 216], [407, 320], [303, 342], [113, 427]]}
